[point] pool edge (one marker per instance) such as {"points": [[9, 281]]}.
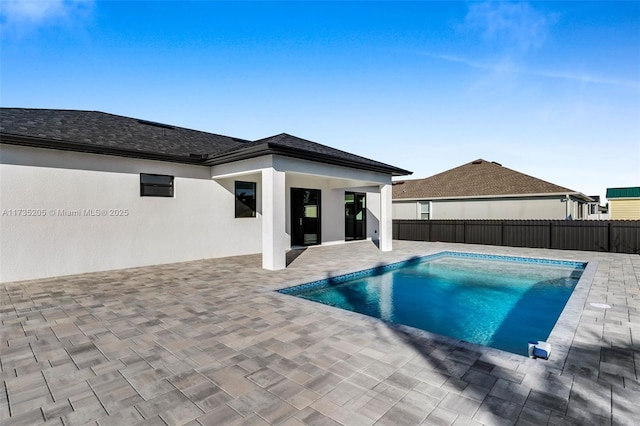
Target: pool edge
{"points": [[560, 337], [346, 276], [564, 331]]}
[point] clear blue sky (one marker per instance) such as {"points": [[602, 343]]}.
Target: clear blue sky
{"points": [[550, 89]]}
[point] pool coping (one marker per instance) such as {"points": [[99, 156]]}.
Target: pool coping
{"points": [[396, 265], [560, 337]]}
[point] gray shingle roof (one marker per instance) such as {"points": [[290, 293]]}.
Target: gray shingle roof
{"points": [[102, 130], [294, 146], [479, 178], [99, 132]]}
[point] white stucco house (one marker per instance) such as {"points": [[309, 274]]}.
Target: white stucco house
{"points": [[484, 189], [84, 191]]}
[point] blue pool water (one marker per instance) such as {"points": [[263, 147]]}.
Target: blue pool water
{"points": [[492, 301]]}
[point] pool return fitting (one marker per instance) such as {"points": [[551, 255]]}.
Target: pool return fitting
{"points": [[539, 349]]}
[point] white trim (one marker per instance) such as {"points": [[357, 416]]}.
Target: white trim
{"points": [[474, 197]]}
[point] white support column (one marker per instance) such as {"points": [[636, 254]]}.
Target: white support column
{"points": [[274, 248], [386, 223]]}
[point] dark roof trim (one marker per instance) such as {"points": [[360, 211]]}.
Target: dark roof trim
{"points": [[274, 149], [198, 159], [155, 124], [10, 139]]}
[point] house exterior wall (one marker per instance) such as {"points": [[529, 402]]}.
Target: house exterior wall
{"points": [[374, 215], [332, 214], [66, 188], [331, 207], [624, 209], [65, 194], [405, 210], [579, 210], [544, 208], [491, 208]]}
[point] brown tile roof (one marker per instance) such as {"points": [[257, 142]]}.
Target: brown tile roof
{"points": [[477, 178]]}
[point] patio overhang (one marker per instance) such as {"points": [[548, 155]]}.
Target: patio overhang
{"points": [[277, 174], [268, 149]]}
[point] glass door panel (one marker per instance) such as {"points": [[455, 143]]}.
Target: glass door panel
{"points": [[305, 216], [355, 223]]}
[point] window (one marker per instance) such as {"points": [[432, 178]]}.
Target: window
{"points": [[245, 199], [156, 185], [424, 210]]}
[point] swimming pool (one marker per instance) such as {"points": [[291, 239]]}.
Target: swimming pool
{"points": [[497, 301]]}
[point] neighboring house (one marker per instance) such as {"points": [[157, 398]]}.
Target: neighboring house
{"points": [[624, 203], [84, 191], [485, 190], [597, 211]]}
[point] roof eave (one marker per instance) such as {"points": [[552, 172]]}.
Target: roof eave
{"points": [[274, 149], [198, 159], [467, 197], [36, 142]]}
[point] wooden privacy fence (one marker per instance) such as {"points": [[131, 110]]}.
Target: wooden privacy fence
{"points": [[616, 236]]}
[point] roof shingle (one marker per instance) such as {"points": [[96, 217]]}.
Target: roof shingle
{"points": [[479, 178], [287, 141], [100, 132]]}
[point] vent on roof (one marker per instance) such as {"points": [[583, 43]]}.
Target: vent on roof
{"points": [[400, 182], [154, 124], [477, 162], [494, 162]]}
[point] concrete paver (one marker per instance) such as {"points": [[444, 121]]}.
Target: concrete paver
{"points": [[211, 342]]}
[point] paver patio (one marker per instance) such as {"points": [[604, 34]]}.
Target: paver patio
{"points": [[210, 343]]}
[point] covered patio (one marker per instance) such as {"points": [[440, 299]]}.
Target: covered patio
{"points": [[284, 216]]}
